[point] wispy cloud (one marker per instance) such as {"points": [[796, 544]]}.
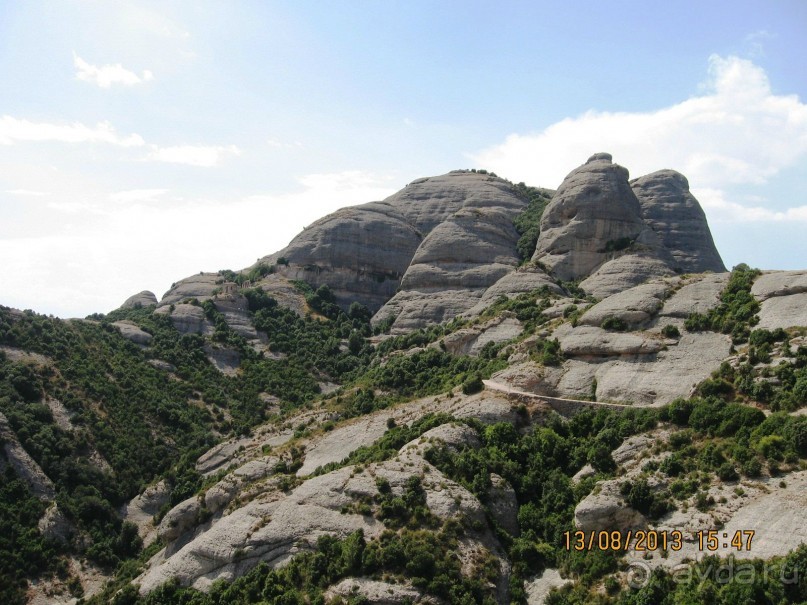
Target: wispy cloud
{"points": [[107, 75], [13, 130], [142, 247], [722, 209], [137, 195], [193, 155], [26, 192], [737, 132], [755, 43]]}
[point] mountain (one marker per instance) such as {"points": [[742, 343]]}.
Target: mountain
{"points": [[421, 400]]}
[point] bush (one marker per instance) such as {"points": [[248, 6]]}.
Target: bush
{"points": [[614, 324], [473, 385], [727, 472], [670, 331], [697, 322]]}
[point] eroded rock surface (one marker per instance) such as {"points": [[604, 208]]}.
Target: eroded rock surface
{"points": [[130, 331], [146, 298]]}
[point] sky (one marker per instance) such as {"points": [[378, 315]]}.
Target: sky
{"points": [[142, 142]]}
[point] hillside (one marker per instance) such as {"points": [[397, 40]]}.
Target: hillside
{"points": [[420, 400]]}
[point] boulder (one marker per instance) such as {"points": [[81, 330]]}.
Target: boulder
{"points": [[145, 298], [635, 306], [131, 331], [589, 341]]}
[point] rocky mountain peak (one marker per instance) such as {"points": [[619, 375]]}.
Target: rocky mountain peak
{"points": [[448, 245], [600, 224], [593, 212]]}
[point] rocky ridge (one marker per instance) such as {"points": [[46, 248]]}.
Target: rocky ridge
{"points": [[619, 267]]}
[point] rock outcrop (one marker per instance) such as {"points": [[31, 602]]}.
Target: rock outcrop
{"points": [[614, 234], [130, 331], [146, 298], [677, 218], [363, 252], [454, 265], [784, 299], [274, 526]]}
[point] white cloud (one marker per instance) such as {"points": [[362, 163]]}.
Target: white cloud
{"points": [[137, 195], [136, 246], [737, 132], [721, 209], [193, 155], [26, 192], [13, 130], [107, 75]]}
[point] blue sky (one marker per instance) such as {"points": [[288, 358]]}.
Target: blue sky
{"points": [[141, 142]]}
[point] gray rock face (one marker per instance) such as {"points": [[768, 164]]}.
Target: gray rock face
{"points": [[779, 283], [376, 592], [180, 519], [141, 509], [606, 510], [524, 279], [503, 504], [188, 319], [636, 306], [131, 331], [613, 234], [471, 341], [200, 287], [624, 272], [678, 219], [363, 252], [784, 299], [699, 296], [593, 207], [273, 526], [360, 252], [145, 298], [673, 372], [55, 526], [783, 312], [460, 258], [589, 342]]}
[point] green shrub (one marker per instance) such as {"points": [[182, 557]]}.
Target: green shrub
{"points": [[670, 331], [614, 324]]}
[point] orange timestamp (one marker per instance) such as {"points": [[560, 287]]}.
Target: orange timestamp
{"points": [[653, 540], [642, 539]]}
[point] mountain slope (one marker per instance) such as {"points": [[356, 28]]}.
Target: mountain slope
{"points": [[415, 401]]}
